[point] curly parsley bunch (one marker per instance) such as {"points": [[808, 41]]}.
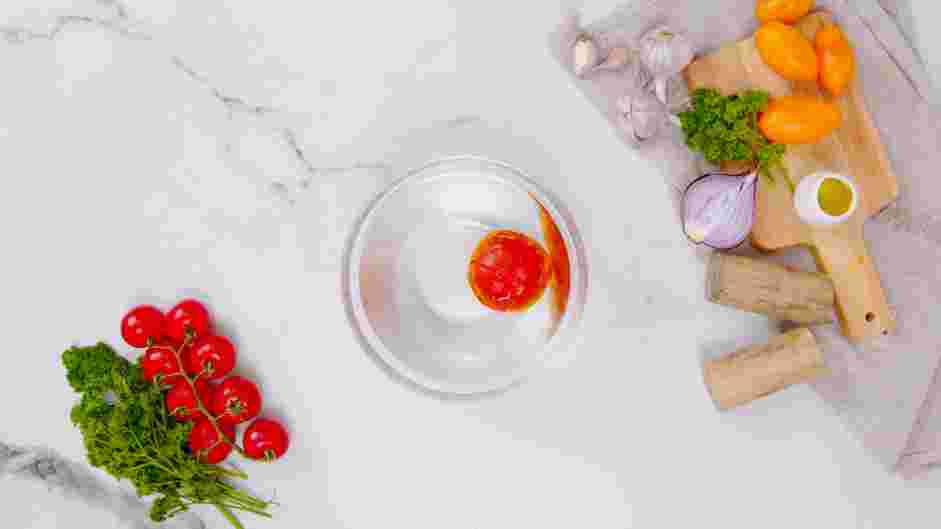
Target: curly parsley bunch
{"points": [[725, 128]]}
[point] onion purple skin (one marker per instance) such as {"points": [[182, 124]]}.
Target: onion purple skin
{"points": [[750, 223]]}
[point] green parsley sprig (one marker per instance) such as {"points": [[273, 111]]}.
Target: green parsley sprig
{"points": [[128, 433], [725, 129]]}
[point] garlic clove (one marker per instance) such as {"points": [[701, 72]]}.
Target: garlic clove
{"points": [[584, 55], [661, 86]]}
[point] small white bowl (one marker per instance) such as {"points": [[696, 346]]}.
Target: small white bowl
{"points": [[807, 200]]}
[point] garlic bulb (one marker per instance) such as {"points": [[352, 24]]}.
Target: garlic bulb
{"points": [[664, 53], [584, 55], [642, 115]]}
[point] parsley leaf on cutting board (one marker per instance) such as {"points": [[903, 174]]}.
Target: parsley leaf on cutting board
{"points": [[725, 129]]}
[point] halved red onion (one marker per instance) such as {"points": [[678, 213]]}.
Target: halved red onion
{"points": [[719, 209]]}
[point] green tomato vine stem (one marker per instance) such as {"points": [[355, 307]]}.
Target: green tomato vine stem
{"points": [[178, 354]]}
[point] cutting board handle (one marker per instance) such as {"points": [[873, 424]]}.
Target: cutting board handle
{"points": [[862, 307]]}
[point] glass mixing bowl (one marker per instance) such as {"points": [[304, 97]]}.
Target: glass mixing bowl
{"points": [[408, 292]]}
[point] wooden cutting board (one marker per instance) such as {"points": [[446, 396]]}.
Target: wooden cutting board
{"points": [[855, 149]]}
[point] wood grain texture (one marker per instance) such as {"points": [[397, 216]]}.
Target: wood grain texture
{"points": [[763, 287], [754, 372], [854, 149]]}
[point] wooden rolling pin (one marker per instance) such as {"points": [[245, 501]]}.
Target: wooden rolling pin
{"points": [[779, 292], [754, 372], [782, 293]]}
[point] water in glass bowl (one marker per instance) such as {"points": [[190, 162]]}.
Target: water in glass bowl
{"points": [[409, 277]]}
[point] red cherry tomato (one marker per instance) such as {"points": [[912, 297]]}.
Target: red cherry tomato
{"points": [[236, 400], [181, 401], [212, 355], [142, 326], [159, 364], [206, 445], [188, 316], [266, 440]]}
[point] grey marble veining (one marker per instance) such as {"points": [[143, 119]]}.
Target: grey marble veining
{"points": [[76, 481], [117, 19]]}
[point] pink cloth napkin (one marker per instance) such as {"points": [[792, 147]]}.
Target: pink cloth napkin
{"points": [[889, 392]]}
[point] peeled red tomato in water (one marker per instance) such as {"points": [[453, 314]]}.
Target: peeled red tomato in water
{"points": [[509, 271]]}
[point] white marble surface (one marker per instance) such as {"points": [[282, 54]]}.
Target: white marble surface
{"points": [[225, 148]]}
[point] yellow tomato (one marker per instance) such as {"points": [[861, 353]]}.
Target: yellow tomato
{"points": [[799, 119], [835, 58], [787, 11], [787, 52]]}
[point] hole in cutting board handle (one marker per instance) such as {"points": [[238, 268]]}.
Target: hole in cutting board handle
{"points": [[870, 317]]}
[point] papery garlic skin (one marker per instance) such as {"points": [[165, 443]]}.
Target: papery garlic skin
{"points": [[617, 58], [584, 55], [665, 53], [807, 199]]}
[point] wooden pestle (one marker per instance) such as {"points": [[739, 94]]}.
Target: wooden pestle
{"points": [[782, 293], [779, 292], [757, 371]]}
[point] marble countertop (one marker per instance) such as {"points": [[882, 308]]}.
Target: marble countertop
{"points": [[226, 148]]}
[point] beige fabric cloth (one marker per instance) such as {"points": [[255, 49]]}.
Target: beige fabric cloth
{"points": [[887, 391]]}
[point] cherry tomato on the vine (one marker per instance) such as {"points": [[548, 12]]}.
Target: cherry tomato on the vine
{"points": [[181, 401], [159, 360], [213, 356], [187, 316], [235, 400], [142, 326], [206, 445], [265, 440]]}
